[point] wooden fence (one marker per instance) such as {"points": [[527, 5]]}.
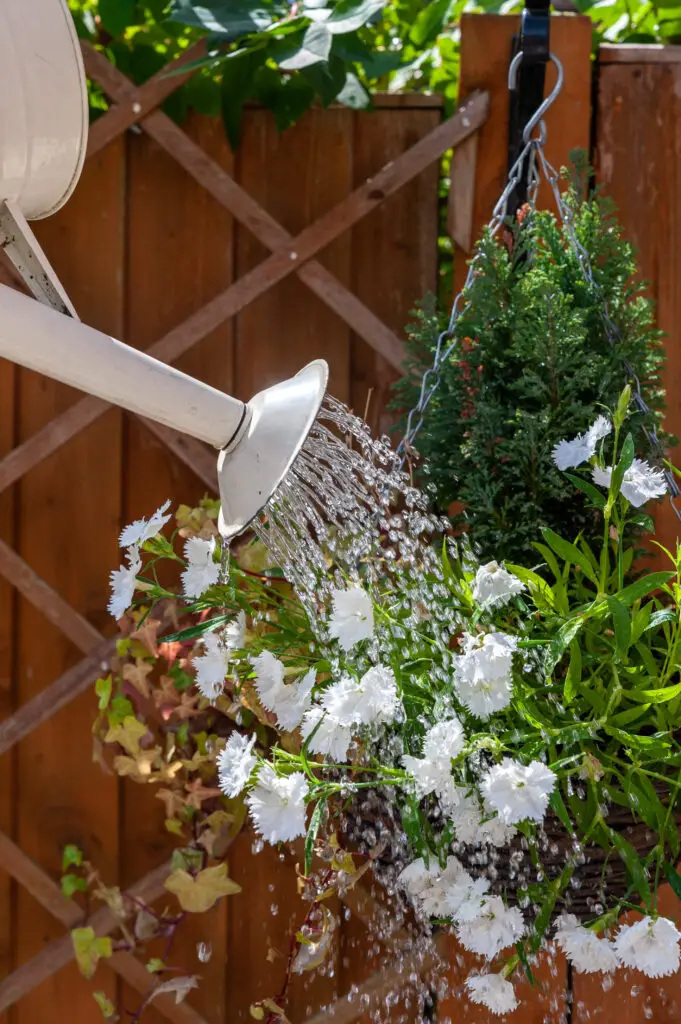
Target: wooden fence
{"points": [[239, 269]]}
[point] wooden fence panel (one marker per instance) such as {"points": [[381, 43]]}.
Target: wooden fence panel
{"points": [[68, 509]]}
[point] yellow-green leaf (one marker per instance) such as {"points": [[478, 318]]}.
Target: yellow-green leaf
{"points": [[200, 893], [128, 734], [89, 949]]}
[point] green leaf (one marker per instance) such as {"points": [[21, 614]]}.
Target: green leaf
{"points": [[89, 949], [103, 691], [625, 461], [192, 632], [638, 589], [117, 15], [429, 22], [314, 46], [353, 94], [658, 696], [154, 965], [327, 80], [628, 716], [227, 21], [71, 857], [574, 673], [236, 88], [570, 553], [349, 15], [558, 807], [622, 624], [293, 99], [654, 746], [311, 837], [664, 615], [560, 642], [106, 1006], [411, 823], [596, 497], [537, 586], [71, 884]]}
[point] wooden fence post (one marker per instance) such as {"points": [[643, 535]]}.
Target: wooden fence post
{"points": [[485, 56]]}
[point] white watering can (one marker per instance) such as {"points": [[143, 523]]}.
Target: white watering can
{"points": [[43, 136]]}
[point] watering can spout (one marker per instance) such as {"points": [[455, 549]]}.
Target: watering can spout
{"points": [[257, 441]]}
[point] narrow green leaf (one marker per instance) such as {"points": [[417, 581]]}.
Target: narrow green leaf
{"points": [[192, 632], [537, 586], [561, 641], [558, 807], [663, 615], [638, 589], [625, 461], [628, 716], [570, 553], [658, 696], [674, 879], [313, 830], [633, 865], [574, 673], [622, 625], [597, 497]]}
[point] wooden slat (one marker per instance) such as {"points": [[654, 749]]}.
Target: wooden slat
{"points": [[69, 514], [196, 456], [485, 55], [141, 101], [193, 260], [651, 53], [233, 197]]}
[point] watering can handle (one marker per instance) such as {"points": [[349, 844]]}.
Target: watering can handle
{"points": [[39, 338]]}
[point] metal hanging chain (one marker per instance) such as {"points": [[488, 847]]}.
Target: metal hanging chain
{"points": [[537, 166]]}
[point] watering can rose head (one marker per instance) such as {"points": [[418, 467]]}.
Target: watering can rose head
{"points": [[503, 713]]}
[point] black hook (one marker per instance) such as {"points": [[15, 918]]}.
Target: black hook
{"points": [[533, 42]]}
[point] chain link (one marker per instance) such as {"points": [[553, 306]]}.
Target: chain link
{"points": [[533, 159]]}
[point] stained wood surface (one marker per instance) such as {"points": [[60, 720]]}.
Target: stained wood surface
{"points": [[485, 55]]}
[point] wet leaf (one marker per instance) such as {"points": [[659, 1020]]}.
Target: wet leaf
{"points": [[199, 894]]}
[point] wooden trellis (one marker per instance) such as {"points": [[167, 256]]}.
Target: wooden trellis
{"points": [[288, 255]]}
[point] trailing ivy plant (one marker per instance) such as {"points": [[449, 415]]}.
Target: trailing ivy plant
{"points": [[532, 365]]}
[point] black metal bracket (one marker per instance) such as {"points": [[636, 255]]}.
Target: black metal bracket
{"points": [[533, 42]]}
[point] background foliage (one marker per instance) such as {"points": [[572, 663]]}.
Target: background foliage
{"points": [[288, 54]]}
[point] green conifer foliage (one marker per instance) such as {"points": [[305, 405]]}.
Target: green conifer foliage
{"points": [[532, 366]]}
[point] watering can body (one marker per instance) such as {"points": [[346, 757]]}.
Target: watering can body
{"points": [[43, 105]]}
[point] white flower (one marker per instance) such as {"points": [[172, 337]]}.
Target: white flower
{"points": [[429, 885], [651, 946], [497, 927], [235, 764], [235, 632], [494, 586], [569, 454], [464, 898], [331, 738], [201, 572], [288, 701], [518, 792], [432, 773], [483, 674], [277, 805], [371, 700], [492, 991], [212, 666], [477, 826], [640, 483], [144, 529], [123, 582], [352, 617], [583, 948]]}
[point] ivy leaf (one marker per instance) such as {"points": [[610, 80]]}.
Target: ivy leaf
{"points": [[117, 15], [349, 15], [89, 949], [314, 47], [103, 691], [71, 884], [71, 857], [128, 734], [106, 1006], [199, 894], [179, 987], [353, 94]]}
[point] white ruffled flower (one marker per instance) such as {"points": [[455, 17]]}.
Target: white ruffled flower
{"points": [[569, 454], [235, 632], [371, 700], [493, 585], [432, 773], [483, 674], [212, 666], [288, 701], [352, 617], [235, 764], [445, 892], [583, 948], [123, 583], [277, 805], [518, 792], [492, 991], [331, 739], [465, 897], [496, 928], [640, 483], [144, 529], [478, 826], [202, 571], [650, 945]]}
